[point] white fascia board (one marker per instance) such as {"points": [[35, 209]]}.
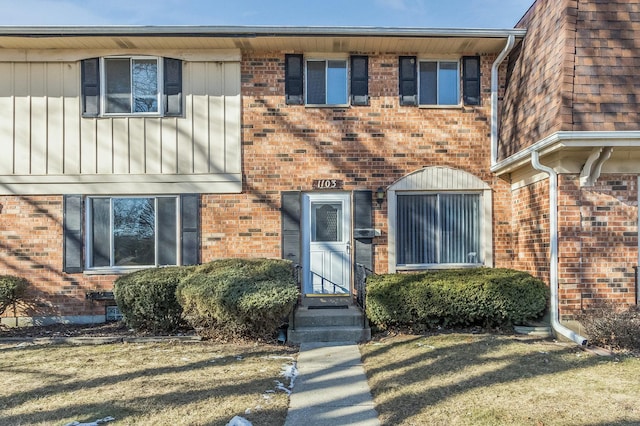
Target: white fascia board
{"points": [[256, 31], [560, 140]]}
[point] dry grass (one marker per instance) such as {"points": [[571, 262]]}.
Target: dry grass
{"points": [[142, 384], [466, 379]]}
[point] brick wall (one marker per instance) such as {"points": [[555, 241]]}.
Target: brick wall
{"points": [[599, 234], [606, 64], [574, 71], [285, 147], [31, 247], [598, 239], [539, 78], [530, 222]]}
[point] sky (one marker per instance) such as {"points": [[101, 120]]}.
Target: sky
{"points": [[501, 14]]}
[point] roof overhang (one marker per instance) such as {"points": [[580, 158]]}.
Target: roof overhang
{"points": [[569, 152], [260, 38]]}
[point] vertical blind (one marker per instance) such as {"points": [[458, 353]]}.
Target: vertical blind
{"points": [[438, 228]]}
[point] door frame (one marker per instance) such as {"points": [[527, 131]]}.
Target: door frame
{"points": [[307, 199]]}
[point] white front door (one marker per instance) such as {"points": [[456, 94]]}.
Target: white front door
{"points": [[326, 227]]}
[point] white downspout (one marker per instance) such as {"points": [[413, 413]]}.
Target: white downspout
{"points": [[553, 268], [494, 98]]}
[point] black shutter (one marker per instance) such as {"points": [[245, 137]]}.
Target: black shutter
{"points": [[363, 233], [190, 232], [72, 228], [172, 87], [408, 80], [359, 80], [471, 80], [90, 75], [293, 81], [290, 218]]}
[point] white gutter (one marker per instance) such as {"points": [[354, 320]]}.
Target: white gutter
{"points": [[494, 97], [553, 235], [254, 31]]}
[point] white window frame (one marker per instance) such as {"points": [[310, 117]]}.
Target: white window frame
{"points": [[438, 179], [159, 86], [126, 268], [439, 233], [326, 61], [458, 82]]}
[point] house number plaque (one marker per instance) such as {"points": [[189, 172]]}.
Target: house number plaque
{"points": [[328, 183]]}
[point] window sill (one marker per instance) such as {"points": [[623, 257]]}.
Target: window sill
{"points": [[457, 106], [114, 271], [327, 106], [438, 266]]}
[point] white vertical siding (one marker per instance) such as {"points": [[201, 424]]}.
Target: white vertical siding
{"points": [[44, 136], [6, 118]]}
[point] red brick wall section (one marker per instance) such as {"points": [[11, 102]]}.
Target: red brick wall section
{"points": [[576, 70], [538, 93], [530, 222], [31, 247], [285, 147], [598, 239], [598, 255], [606, 66]]}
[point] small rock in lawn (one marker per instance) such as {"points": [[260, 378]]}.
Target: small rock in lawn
{"points": [[239, 421]]}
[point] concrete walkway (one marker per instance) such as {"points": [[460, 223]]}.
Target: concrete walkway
{"points": [[331, 388]]}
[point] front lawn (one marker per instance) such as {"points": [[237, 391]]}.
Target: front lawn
{"points": [[143, 384], [469, 379]]}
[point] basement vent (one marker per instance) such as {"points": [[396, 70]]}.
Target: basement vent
{"points": [[113, 314]]}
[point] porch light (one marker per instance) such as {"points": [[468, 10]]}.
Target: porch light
{"points": [[380, 195]]}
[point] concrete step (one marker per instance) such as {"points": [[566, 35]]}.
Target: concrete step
{"points": [[327, 322], [328, 334], [351, 317]]}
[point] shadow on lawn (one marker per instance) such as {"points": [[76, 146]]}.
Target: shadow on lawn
{"points": [[130, 405], [436, 363]]}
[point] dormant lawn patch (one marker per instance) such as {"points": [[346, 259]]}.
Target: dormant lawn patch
{"points": [[144, 384], [467, 379]]}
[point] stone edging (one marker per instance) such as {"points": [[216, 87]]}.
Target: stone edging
{"points": [[99, 340]]}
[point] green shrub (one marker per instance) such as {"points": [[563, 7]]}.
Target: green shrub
{"points": [[239, 297], [147, 298], [12, 290], [461, 297], [612, 328]]}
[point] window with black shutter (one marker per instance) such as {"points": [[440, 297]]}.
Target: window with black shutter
{"points": [[293, 73], [408, 80], [359, 80], [471, 80], [124, 85]]}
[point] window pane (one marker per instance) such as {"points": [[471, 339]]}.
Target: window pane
{"points": [[337, 82], [167, 235], [428, 83], [117, 85], [327, 222], [145, 85], [316, 81], [460, 233], [134, 231], [100, 235], [448, 84], [417, 229]]}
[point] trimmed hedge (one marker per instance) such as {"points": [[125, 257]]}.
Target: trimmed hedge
{"points": [[12, 290], [462, 297], [147, 298], [239, 297]]}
